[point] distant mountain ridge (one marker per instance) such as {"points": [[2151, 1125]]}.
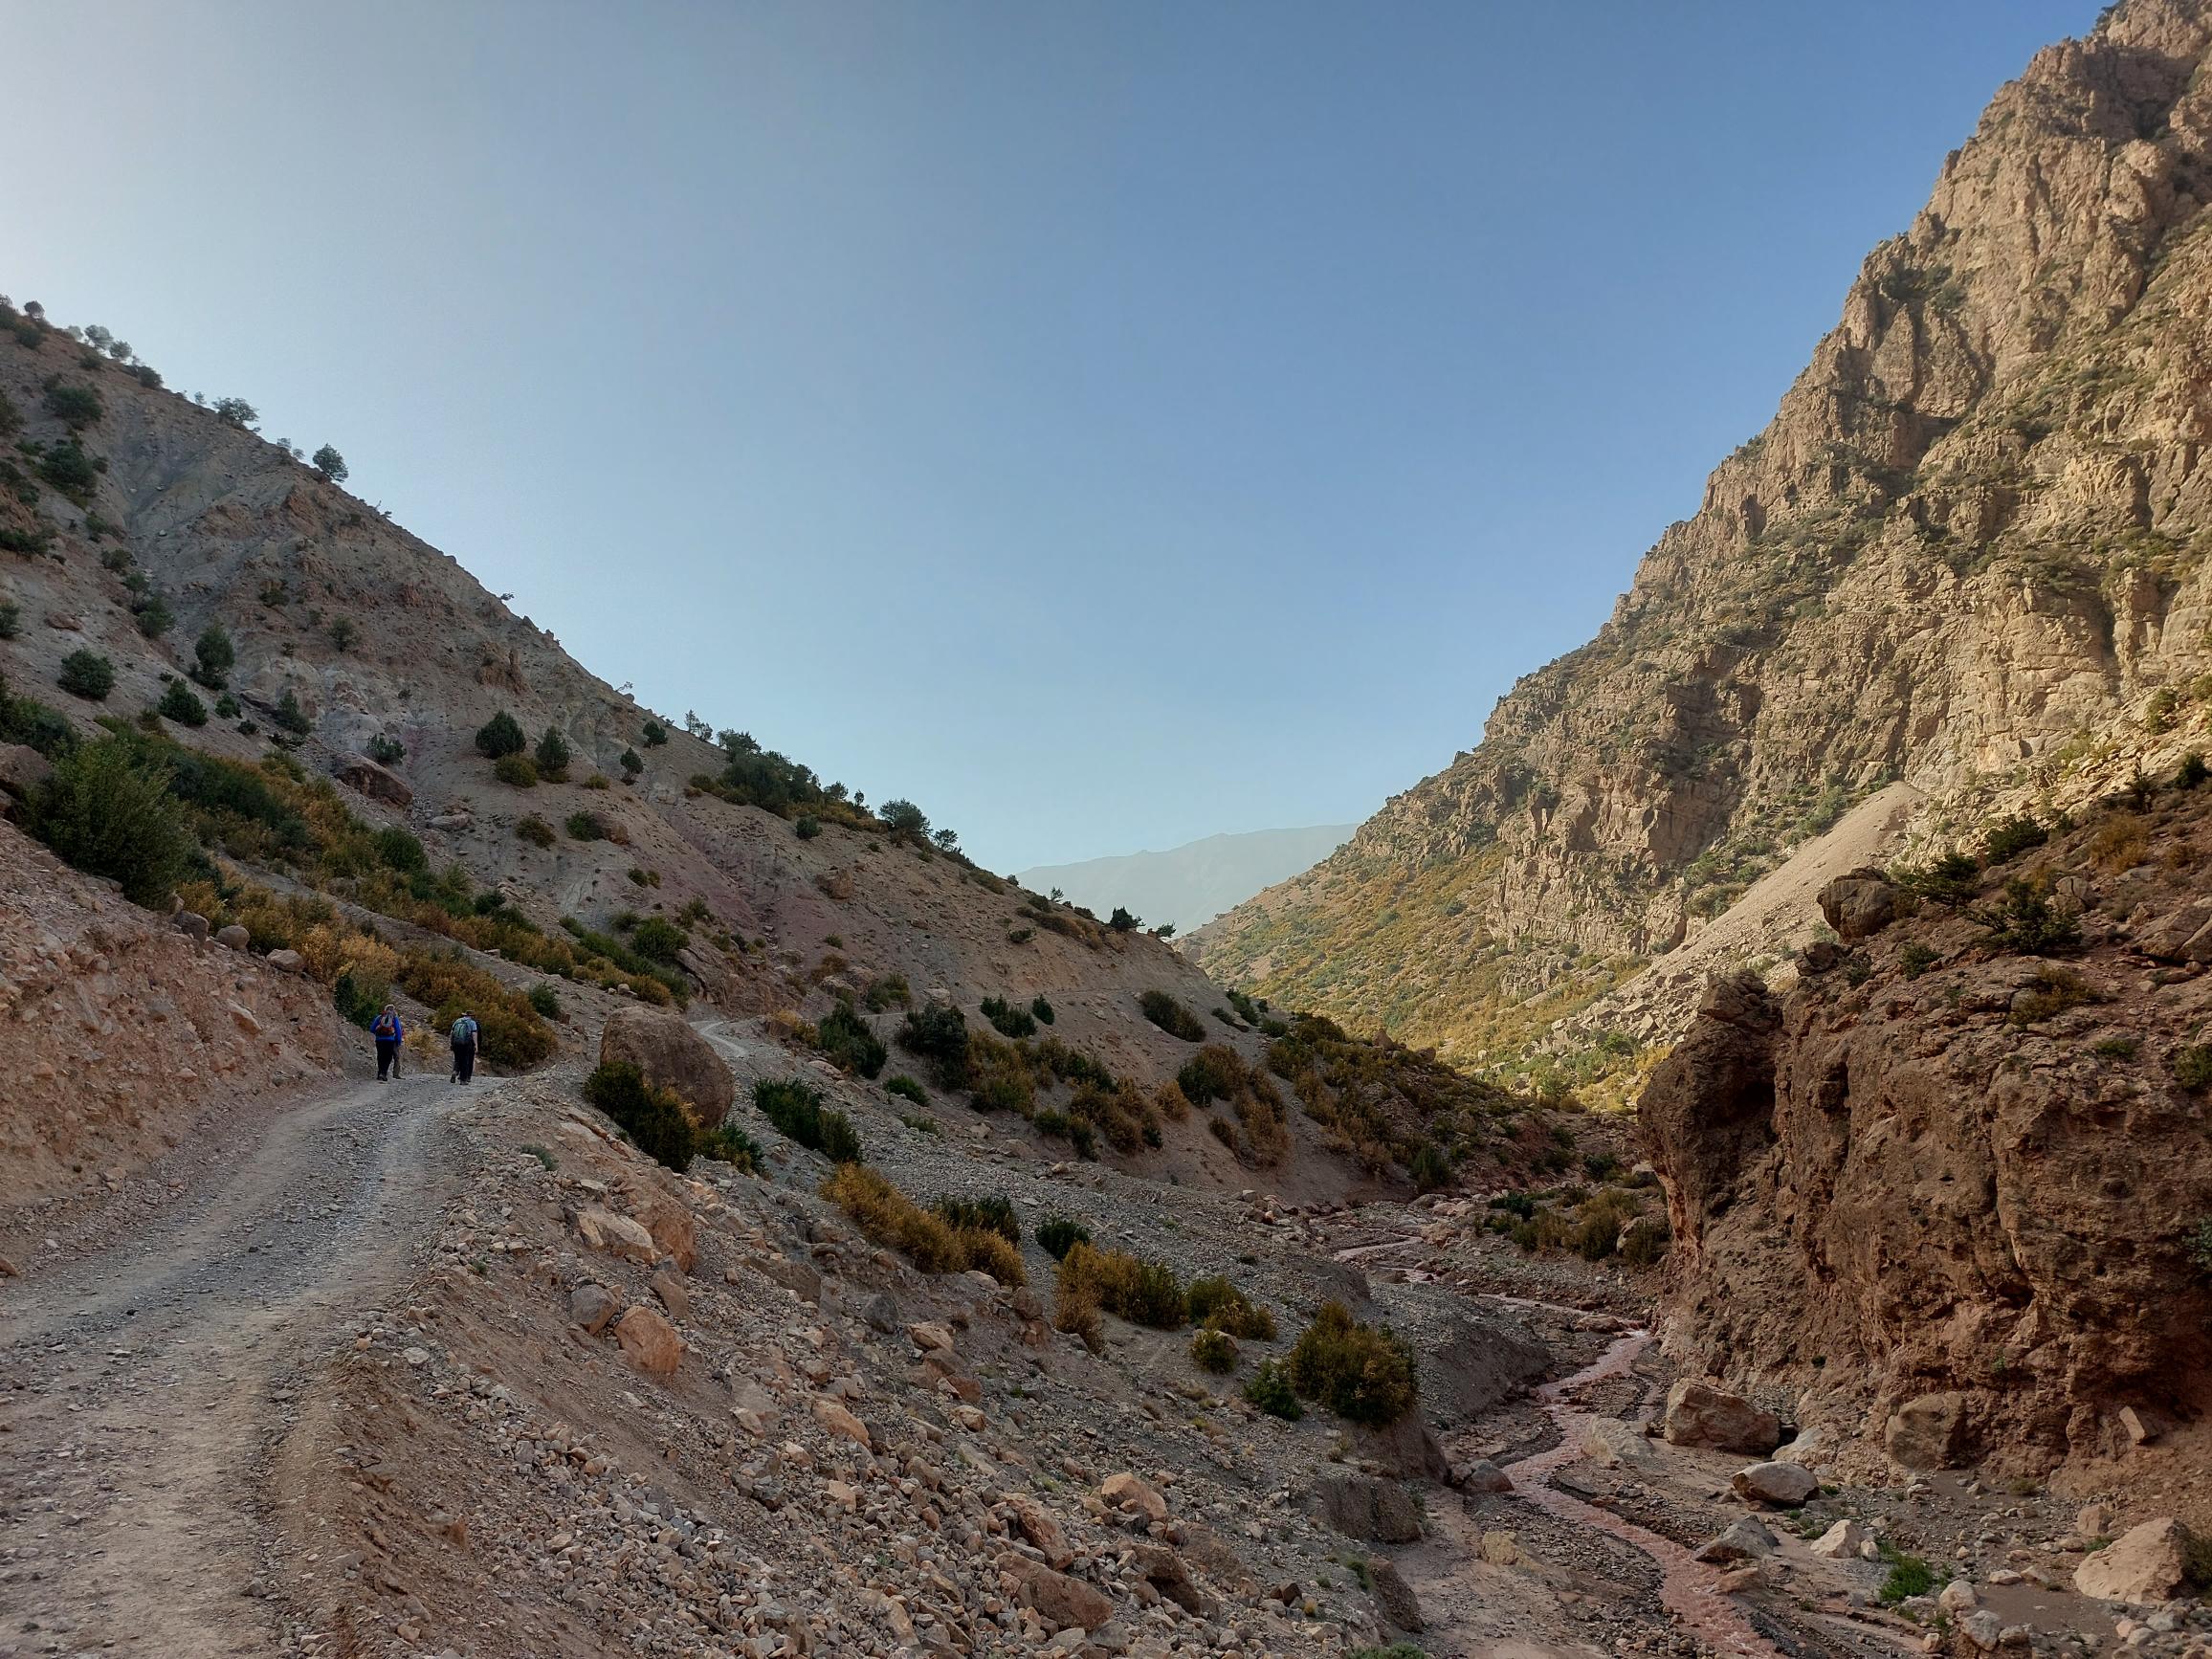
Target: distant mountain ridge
{"points": [[1194, 882]]}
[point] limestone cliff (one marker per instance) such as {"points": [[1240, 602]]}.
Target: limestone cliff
{"points": [[1972, 538]]}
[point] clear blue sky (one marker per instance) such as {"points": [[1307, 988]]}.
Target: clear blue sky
{"points": [[1106, 424]]}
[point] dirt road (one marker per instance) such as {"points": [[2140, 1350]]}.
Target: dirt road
{"points": [[145, 1384]]}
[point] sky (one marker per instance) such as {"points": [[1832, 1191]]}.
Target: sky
{"points": [[1103, 424]]}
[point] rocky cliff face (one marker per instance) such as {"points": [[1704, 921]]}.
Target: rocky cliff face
{"points": [[1974, 532], [1951, 1194]]}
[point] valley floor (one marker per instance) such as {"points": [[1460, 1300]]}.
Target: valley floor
{"points": [[411, 1371]]}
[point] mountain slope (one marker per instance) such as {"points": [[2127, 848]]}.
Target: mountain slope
{"points": [[1192, 883], [1971, 541]]}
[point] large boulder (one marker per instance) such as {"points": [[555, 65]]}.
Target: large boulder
{"points": [[1361, 1507], [1925, 1431], [649, 1341], [1394, 1596], [673, 1055], [1705, 1414], [1060, 1600], [2144, 1565], [1742, 1540], [1858, 905], [378, 782], [22, 770], [1785, 1484]]}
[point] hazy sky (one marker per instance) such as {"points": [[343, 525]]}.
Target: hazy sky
{"points": [[1106, 424]]}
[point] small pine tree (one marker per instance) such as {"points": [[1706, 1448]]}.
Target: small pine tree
{"points": [[290, 716], [552, 756], [213, 656], [632, 765], [179, 704], [656, 734], [87, 675], [501, 734]]}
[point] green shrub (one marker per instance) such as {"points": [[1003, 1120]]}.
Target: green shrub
{"points": [[1950, 880], [2011, 838], [1215, 1072], [1909, 1576], [1214, 1350], [1041, 1012], [519, 772], [342, 634], [226, 707], [850, 1041], [727, 1144], [658, 940], [1215, 1301], [654, 732], [1141, 1291], [907, 1088], [1916, 958], [653, 1117], [501, 734], [536, 831], [2027, 922], [11, 619], [552, 756], [2192, 1066], [887, 991], [2192, 771], [86, 673], [1361, 1373], [106, 814], [797, 1112], [386, 751], [75, 406], [1430, 1166], [1270, 1389], [546, 1000], [1057, 1235], [630, 762], [1643, 1243], [28, 722], [1011, 1021], [213, 656], [1173, 1018], [179, 704], [397, 849], [991, 1215], [289, 716], [586, 826], [939, 1036], [808, 826]]}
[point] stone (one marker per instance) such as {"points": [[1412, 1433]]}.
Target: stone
{"points": [[879, 1314], [668, 1223], [1957, 1597], [1808, 1450], [618, 1236], [592, 1306], [22, 770], [1130, 1494], [1063, 1602], [663, 1046], [1395, 1595], [453, 821], [378, 783], [931, 1339], [1842, 1543], [1481, 1476], [1043, 1528], [2094, 1520], [835, 1418], [1166, 1572], [1740, 1540], [1858, 905], [1984, 1629], [649, 1341], [1925, 1431], [1614, 1444], [1500, 1549], [1787, 1483], [1361, 1507], [290, 961], [191, 924], [2144, 1565], [234, 938], [2140, 1426], [669, 1285], [1704, 1414]]}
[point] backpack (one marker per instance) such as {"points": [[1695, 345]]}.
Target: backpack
{"points": [[386, 1027], [464, 1033]]}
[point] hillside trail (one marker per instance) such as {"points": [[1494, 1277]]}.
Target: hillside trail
{"points": [[147, 1383]]}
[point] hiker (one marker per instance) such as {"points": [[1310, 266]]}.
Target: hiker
{"points": [[387, 1031], [464, 1040]]}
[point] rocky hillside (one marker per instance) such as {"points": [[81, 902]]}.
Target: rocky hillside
{"points": [[1949, 1196], [1969, 545], [329, 697]]}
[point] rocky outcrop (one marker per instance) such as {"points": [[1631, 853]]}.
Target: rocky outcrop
{"points": [[1700, 1413], [378, 782], [672, 1056], [1950, 1198], [2146, 1564], [1968, 533]]}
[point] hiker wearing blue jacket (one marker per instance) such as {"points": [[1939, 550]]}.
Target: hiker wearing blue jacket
{"points": [[387, 1031], [463, 1033]]}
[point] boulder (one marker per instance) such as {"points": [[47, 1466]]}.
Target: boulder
{"points": [[1361, 1507], [592, 1306], [1844, 1541], [835, 1418], [22, 770], [378, 782], [1787, 1483], [1063, 1602], [668, 1285], [2144, 1565], [1041, 1528], [1858, 905], [1482, 1476], [1132, 1496], [1741, 1540], [649, 1341], [663, 1046], [290, 961], [234, 938], [1925, 1431], [1500, 1549], [618, 1236], [1166, 1572], [704, 966], [191, 924], [1957, 1597], [1616, 1444], [1395, 1596], [1705, 1414], [1983, 1629]]}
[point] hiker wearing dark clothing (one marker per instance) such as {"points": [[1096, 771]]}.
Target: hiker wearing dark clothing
{"points": [[387, 1031], [464, 1040]]}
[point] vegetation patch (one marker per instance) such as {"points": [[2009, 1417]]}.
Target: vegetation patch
{"points": [[797, 1112], [1171, 1017], [1362, 1372]]}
